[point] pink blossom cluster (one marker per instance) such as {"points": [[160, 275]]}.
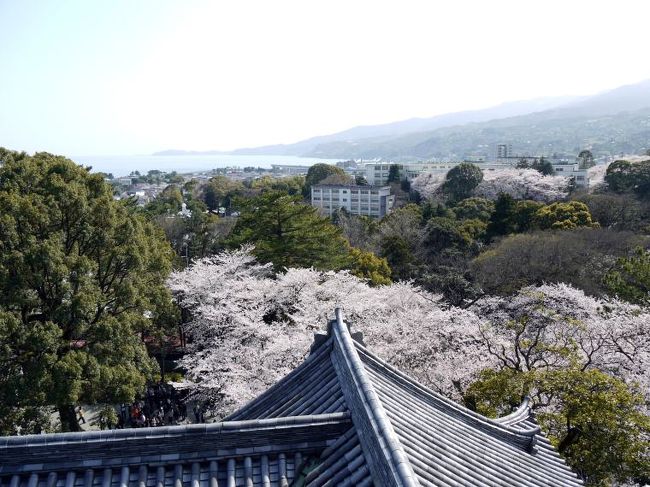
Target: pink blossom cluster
{"points": [[248, 328]]}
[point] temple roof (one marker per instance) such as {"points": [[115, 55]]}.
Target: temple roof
{"points": [[343, 417]]}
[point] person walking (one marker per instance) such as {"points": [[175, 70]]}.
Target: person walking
{"points": [[80, 415]]}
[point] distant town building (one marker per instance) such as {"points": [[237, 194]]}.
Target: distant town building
{"points": [[125, 181], [289, 169], [504, 150], [514, 160], [373, 201], [573, 170], [350, 165], [377, 172]]}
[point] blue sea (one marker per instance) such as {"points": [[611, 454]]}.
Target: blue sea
{"points": [[124, 165]]}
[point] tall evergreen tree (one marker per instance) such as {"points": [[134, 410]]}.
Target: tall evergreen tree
{"points": [[461, 181], [586, 159], [81, 280], [289, 233], [502, 221], [393, 173]]}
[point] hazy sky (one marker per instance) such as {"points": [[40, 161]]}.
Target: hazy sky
{"points": [[130, 77]]}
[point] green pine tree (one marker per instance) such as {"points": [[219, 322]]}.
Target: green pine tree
{"points": [[289, 233]]}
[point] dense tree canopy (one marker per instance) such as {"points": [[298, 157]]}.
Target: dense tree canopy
{"points": [[461, 181], [168, 202], [474, 209], [564, 216], [629, 279], [617, 211], [594, 419], [220, 191], [291, 185], [367, 265], [583, 362], [81, 279], [579, 257], [319, 172], [624, 176], [289, 233], [503, 219]]}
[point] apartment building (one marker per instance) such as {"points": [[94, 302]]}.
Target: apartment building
{"points": [[373, 201]]}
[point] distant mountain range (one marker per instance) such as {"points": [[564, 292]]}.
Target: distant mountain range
{"points": [[609, 123]]}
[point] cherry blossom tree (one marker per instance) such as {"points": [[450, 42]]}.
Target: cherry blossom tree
{"points": [[522, 184], [585, 363], [597, 177], [428, 184], [248, 328], [581, 358], [557, 326]]}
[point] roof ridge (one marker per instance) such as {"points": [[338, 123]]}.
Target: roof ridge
{"points": [[383, 451], [524, 436], [167, 431], [519, 415]]}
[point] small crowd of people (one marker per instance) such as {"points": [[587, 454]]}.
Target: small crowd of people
{"points": [[162, 405]]}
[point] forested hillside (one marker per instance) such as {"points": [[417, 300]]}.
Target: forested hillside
{"points": [[612, 123]]}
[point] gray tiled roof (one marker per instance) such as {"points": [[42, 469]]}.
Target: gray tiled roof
{"points": [[312, 388], [343, 417]]}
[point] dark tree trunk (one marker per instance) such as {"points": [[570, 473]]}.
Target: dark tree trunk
{"points": [[572, 436], [68, 417]]}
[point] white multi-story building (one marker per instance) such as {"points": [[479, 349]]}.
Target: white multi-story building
{"points": [[503, 150], [376, 173], [580, 176], [373, 201]]}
